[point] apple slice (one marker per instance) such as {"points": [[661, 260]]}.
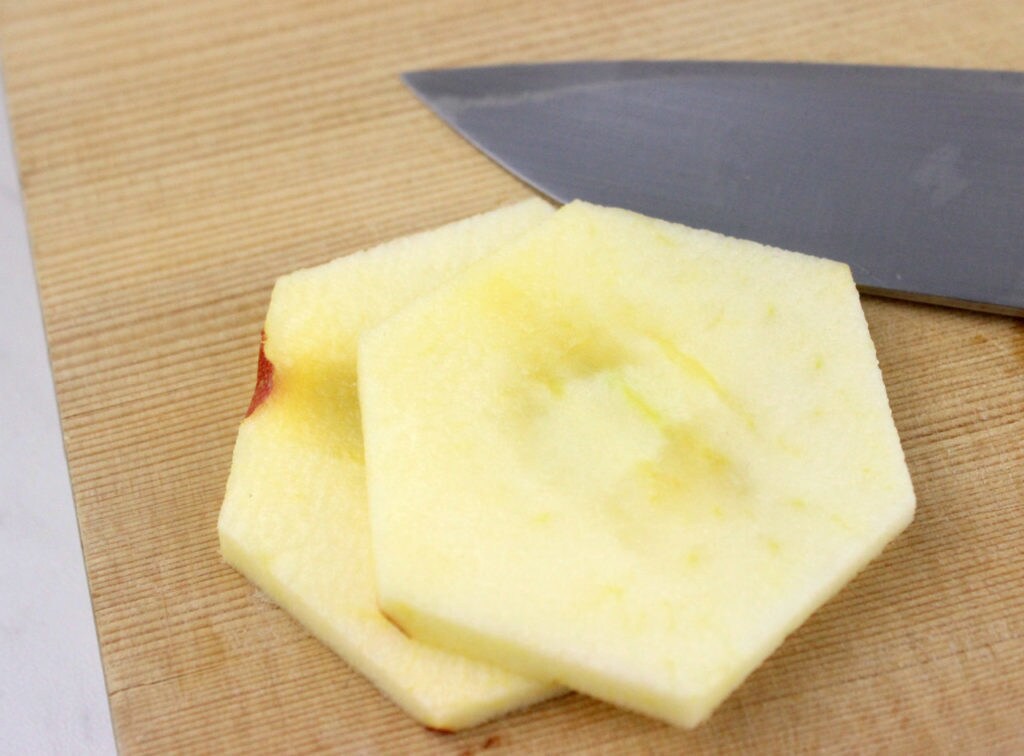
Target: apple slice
{"points": [[294, 518], [627, 454]]}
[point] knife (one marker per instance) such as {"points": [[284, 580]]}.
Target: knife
{"points": [[912, 176], [53, 698]]}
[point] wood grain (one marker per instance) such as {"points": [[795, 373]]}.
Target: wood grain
{"points": [[178, 155]]}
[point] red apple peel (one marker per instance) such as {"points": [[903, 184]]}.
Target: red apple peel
{"points": [[264, 378]]}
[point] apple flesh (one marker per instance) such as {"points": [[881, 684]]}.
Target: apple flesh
{"points": [[628, 455], [294, 518]]}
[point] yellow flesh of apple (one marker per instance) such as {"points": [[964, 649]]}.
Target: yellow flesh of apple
{"points": [[294, 518], [628, 454]]}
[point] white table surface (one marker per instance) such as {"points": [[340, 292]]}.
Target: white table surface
{"points": [[52, 695]]}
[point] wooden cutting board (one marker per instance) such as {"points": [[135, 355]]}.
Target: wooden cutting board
{"points": [[177, 156]]}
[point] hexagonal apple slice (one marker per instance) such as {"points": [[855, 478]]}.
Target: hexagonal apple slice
{"points": [[628, 454], [294, 518]]}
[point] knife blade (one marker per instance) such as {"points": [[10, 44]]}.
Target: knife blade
{"points": [[912, 176], [53, 698]]}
